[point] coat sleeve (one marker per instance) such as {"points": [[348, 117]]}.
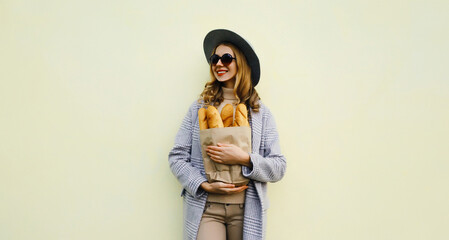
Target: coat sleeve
{"points": [[270, 164], [179, 158]]}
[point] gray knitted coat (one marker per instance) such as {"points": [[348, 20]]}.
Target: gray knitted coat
{"points": [[269, 165]]}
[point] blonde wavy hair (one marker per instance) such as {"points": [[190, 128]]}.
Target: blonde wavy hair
{"points": [[244, 90]]}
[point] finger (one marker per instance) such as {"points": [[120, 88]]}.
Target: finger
{"points": [[242, 188], [223, 144], [236, 189], [211, 151], [219, 160], [213, 148], [226, 185], [216, 160], [214, 156]]}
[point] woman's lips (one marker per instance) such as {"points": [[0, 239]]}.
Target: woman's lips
{"points": [[221, 72]]}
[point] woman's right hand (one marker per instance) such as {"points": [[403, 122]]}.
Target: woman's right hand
{"points": [[222, 188]]}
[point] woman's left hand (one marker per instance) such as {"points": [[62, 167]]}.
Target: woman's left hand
{"points": [[228, 154]]}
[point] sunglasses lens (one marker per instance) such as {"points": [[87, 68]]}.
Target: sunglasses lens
{"points": [[214, 59], [226, 59]]}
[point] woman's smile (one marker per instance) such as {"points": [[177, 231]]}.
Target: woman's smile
{"points": [[221, 72]]}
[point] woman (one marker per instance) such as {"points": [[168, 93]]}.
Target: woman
{"points": [[219, 210]]}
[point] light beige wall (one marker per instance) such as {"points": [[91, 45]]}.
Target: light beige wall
{"points": [[92, 94]]}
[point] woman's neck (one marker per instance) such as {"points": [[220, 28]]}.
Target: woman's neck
{"points": [[228, 93]]}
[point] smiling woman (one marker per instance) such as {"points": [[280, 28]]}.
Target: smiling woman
{"points": [[223, 67], [231, 72], [214, 208]]}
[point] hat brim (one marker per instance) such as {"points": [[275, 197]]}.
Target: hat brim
{"points": [[218, 36]]}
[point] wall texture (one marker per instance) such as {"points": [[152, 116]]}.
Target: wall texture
{"points": [[92, 94]]}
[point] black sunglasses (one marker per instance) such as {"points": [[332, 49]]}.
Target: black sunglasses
{"points": [[226, 59]]}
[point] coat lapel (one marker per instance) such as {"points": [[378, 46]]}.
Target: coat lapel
{"points": [[255, 122]]}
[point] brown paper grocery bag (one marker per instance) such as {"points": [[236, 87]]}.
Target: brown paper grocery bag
{"points": [[217, 172]]}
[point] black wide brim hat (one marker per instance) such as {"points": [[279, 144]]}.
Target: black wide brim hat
{"points": [[218, 36]]}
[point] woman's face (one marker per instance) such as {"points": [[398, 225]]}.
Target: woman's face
{"points": [[225, 73]]}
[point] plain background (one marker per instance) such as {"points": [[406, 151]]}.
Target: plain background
{"points": [[93, 92]]}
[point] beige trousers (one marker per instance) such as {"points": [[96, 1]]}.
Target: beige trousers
{"points": [[221, 221]]}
